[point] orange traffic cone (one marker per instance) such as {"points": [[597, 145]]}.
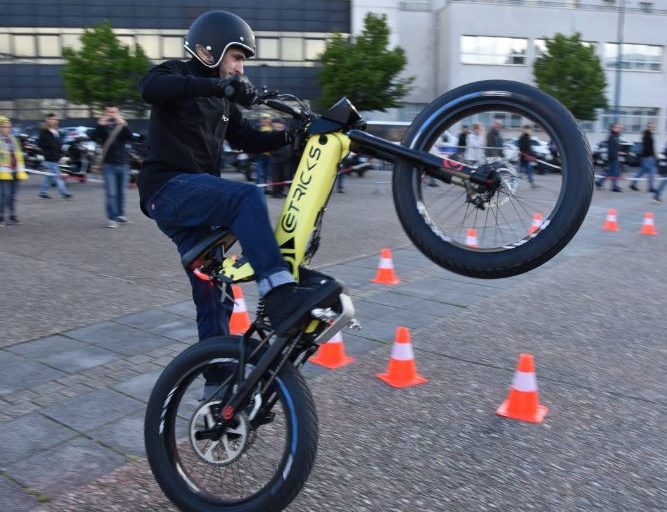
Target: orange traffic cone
{"points": [[611, 223], [332, 353], [402, 370], [536, 224], [648, 227], [240, 320], [385, 273], [471, 238], [522, 403]]}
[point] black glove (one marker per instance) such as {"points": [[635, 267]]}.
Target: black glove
{"points": [[237, 89]]}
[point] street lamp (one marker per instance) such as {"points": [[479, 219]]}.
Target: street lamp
{"points": [[617, 88]]}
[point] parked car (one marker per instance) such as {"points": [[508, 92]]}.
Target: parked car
{"points": [[540, 148], [600, 152]]}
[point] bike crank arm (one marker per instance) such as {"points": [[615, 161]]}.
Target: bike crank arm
{"points": [[445, 169]]}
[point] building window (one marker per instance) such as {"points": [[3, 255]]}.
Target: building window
{"points": [[315, 48], [633, 119], [267, 48], [415, 5], [24, 46], [150, 45], [493, 50], [49, 45], [292, 48], [5, 46], [634, 57], [127, 41], [646, 6], [172, 47], [72, 41], [7, 108]]}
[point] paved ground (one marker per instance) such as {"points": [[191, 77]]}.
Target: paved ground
{"points": [[91, 315]]}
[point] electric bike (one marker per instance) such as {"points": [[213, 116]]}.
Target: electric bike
{"points": [[249, 445]]}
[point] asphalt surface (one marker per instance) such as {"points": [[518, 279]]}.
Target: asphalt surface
{"points": [[593, 318]]}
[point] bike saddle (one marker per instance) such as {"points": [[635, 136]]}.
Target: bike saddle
{"points": [[197, 256]]}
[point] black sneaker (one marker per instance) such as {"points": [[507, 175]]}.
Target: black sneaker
{"points": [[292, 302], [44, 195], [598, 185], [617, 189], [634, 187], [14, 220]]}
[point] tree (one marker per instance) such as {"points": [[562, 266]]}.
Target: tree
{"points": [[571, 72], [364, 70], [104, 70]]}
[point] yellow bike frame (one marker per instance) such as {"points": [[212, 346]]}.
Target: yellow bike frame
{"points": [[301, 216]]}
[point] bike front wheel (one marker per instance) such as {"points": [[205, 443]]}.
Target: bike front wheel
{"points": [[540, 203], [262, 460]]}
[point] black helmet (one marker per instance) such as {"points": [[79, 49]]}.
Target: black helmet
{"points": [[212, 33]]}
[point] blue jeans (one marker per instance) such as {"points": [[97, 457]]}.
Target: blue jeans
{"points": [[53, 176], [613, 173], [189, 206], [648, 166], [8, 198], [658, 192], [116, 177], [527, 167], [261, 168]]}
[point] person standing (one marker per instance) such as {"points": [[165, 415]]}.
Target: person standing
{"points": [[263, 160], [461, 145], [281, 160], [647, 160], [494, 140], [526, 154], [614, 169], [657, 196], [12, 170], [50, 144], [474, 151], [113, 134]]}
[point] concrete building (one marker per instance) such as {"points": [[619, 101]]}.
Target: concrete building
{"points": [[290, 36], [452, 42]]}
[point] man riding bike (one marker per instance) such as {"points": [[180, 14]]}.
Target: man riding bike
{"points": [[193, 109]]}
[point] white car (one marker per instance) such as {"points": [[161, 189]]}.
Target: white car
{"points": [[540, 149]]}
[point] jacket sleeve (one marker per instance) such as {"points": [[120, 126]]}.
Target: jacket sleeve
{"points": [[166, 82], [41, 141], [243, 136], [98, 134]]}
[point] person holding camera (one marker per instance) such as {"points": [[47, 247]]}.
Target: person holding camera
{"points": [[113, 134]]}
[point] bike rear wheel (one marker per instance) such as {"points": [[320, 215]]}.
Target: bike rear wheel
{"points": [[531, 217], [251, 468]]}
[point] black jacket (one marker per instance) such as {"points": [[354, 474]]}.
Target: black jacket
{"points": [[525, 148], [648, 149], [50, 145], [117, 152], [612, 146], [188, 124]]}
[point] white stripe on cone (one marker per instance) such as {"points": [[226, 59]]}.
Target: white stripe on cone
{"points": [[337, 338], [239, 306], [648, 221], [611, 217], [402, 352], [524, 381], [386, 263]]}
